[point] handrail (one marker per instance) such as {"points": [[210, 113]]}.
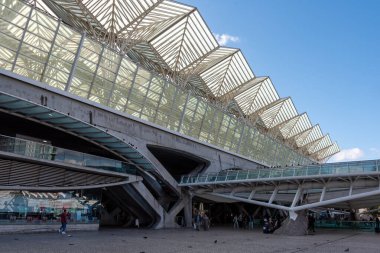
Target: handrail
{"points": [[326, 169], [48, 152]]}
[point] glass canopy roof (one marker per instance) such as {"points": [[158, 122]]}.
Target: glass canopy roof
{"points": [[173, 40]]}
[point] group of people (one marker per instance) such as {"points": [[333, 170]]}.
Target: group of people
{"points": [[243, 221], [270, 225], [246, 221], [201, 220]]}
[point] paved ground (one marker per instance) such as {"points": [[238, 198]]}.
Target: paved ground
{"points": [[186, 240]]}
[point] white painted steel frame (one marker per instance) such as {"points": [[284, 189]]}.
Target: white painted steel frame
{"points": [[222, 73], [341, 184]]}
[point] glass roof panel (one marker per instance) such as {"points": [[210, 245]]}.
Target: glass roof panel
{"points": [[184, 42], [329, 152], [227, 74], [325, 142], [309, 136], [302, 123], [257, 97], [278, 113]]}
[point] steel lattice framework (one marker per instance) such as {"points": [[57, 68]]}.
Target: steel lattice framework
{"points": [[345, 185], [172, 40]]}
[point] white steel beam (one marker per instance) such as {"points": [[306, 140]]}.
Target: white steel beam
{"points": [[254, 191], [259, 203], [297, 196], [337, 200], [323, 194], [273, 195]]}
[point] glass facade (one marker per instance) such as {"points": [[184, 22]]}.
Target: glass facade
{"points": [[42, 48], [25, 207]]}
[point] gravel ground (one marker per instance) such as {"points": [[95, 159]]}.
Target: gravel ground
{"points": [[217, 240]]}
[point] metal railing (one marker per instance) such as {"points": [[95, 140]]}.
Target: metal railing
{"points": [[328, 169], [338, 224], [44, 151]]}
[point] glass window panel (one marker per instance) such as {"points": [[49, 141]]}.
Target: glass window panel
{"points": [[54, 83], [78, 92], [127, 67], [143, 74], [62, 54], [166, 105], [17, 6], [101, 90], [33, 54], [15, 13], [40, 31], [86, 65], [141, 81], [10, 30], [37, 42], [213, 126], [246, 141], [44, 20], [27, 70], [105, 74], [56, 74], [7, 58]]}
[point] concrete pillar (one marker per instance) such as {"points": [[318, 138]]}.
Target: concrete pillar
{"points": [[188, 210], [295, 224]]}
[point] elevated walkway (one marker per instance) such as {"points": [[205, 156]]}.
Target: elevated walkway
{"points": [[339, 185], [30, 165]]}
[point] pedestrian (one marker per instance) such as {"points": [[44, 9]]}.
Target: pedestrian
{"points": [[235, 222], [250, 222], [137, 223], [63, 216], [240, 220], [198, 221], [206, 222], [377, 228], [311, 223]]}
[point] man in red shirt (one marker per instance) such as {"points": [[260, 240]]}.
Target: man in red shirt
{"points": [[63, 217]]}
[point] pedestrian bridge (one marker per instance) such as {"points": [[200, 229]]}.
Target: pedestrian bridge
{"points": [[30, 165], [340, 185]]}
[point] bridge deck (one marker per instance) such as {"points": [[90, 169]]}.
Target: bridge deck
{"points": [[329, 170]]}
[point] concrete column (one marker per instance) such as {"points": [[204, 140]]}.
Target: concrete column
{"points": [[295, 224], [188, 210]]}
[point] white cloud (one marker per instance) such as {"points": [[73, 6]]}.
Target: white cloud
{"points": [[224, 39], [347, 155]]}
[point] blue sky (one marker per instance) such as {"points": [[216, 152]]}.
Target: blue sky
{"points": [[324, 54]]}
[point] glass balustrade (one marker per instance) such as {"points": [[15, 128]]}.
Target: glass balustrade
{"points": [[360, 167], [44, 151]]}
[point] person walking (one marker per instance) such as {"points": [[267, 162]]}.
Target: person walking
{"points": [[377, 227], [235, 222], [250, 222], [311, 223], [206, 222], [63, 217], [137, 223]]}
